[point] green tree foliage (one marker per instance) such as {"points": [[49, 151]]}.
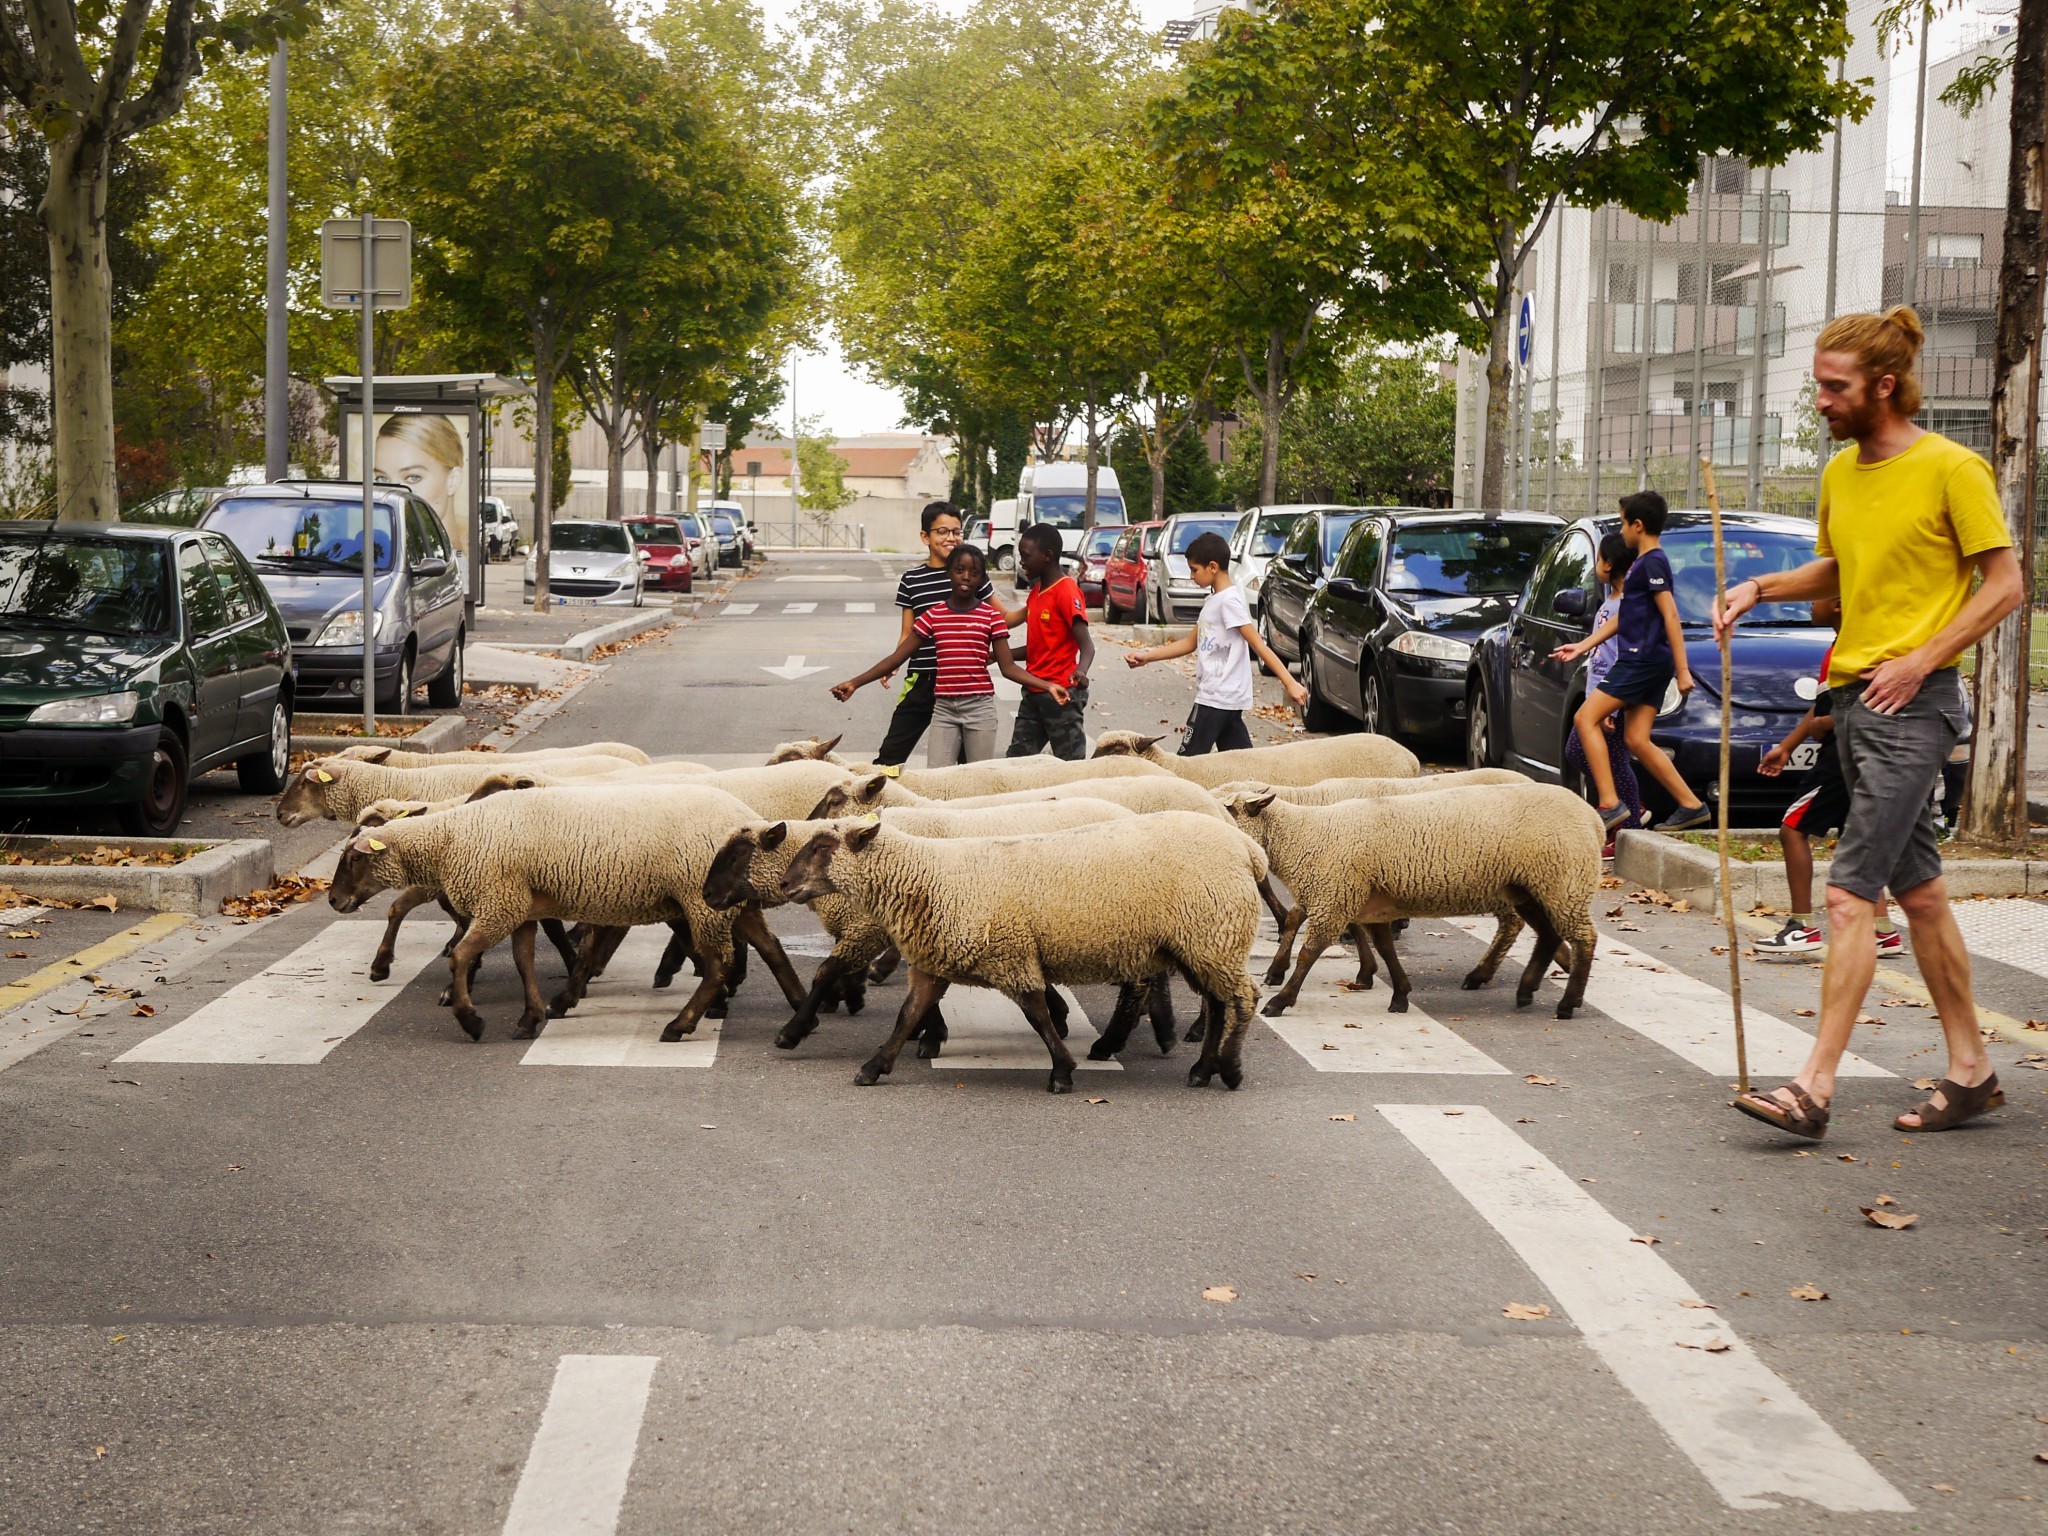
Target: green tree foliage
{"points": [[821, 473], [1190, 484], [1379, 432]]}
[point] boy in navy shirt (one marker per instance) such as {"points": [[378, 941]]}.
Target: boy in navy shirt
{"points": [[1651, 654]]}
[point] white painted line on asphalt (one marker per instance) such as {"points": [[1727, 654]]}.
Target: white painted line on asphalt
{"points": [[2012, 932], [860, 607], [574, 1481], [620, 1020], [816, 578], [1750, 1434], [297, 1009], [799, 607], [1686, 1016], [1338, 1031], [19, 915], [732, 608], [986, 1031]]}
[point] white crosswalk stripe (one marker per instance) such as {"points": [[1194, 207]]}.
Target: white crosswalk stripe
{"points": [[860, 607], [2013, 933], [988, 1032], [1686, 1016], [1751, 1435], [736, 608], [619, 1021], [296, 1010], [799, 607], [1339, 1031], [575, 1477]]}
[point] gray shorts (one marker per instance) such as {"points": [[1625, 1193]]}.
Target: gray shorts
{"points": [[1892, 766], [963, 729]]}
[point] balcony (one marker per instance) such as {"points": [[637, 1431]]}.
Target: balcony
{"points": [[1966, 290], [1671, 437], [1729, 330]]}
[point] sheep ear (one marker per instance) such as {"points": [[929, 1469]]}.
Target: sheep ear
{"points": [[860, 836], [496, 783], [377, 754], [772, 837], [1257, 804], [826, 746], [372, 819], [1145, 744], [871, 787], [319, 775], [366, 844]]}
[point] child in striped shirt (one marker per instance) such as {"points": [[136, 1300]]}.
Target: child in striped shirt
{"points": [[967, 632]]}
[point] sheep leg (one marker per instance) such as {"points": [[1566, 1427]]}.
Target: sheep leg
{"points": [[1317, 934], [1383, 936], [1289, 927], [925, 992], [1504, 935], [748, 923], [454, 916], [933, 1034], [1271, 898], [884, 965], [1121, 1022], [716, 950], [1056, 1006], [674, 955], [477, 937], [559, 937], [1547, 940], [401, 904], [1159, 1005], [1362, 938], [522, 956], [1035, 1009], [805, 1019], [1582, 967], [595, 952]]}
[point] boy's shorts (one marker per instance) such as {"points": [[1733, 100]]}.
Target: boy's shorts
{"points": [[1639, 680], [1823, 803]]}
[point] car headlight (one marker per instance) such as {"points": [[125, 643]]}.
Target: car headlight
{"points": [[1253, 583], [1673, 700], [347, 629], [91, 709], [1415, 642]]}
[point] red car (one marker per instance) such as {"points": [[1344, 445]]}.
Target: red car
{"points": [[660, 539], [1094, 552], [1123, 577]]}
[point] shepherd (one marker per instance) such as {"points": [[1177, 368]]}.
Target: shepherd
{"points": [[1909, 524]]}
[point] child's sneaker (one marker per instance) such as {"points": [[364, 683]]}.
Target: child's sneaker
{"points": [[1893, 943], [1684, 818], [1794, 941], [1614, 818]]}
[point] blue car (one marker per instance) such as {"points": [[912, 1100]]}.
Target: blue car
{"points": [[1519, 703]]}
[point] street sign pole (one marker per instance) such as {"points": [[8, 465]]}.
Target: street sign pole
{"points": [[368, 364]]}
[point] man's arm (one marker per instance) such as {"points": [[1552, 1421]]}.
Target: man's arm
{"points": [[1273, 664], [1181, 647], [1816, 578], [1084, 641], [1893, 685], [889, 663], [1674, 633]]}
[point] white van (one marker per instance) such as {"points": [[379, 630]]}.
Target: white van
{"points": [[1053, 493]]}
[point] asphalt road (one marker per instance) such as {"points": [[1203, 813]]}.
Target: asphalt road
{"points": [[288, 1253]]}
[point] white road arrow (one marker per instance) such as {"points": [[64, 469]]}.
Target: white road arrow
{"points": [[792, 669]]}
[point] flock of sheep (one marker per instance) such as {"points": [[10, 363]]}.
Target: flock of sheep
{"points": [[1017, 874]]}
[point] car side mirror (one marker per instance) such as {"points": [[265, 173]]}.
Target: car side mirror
{"points": [[640, 555], [1298, 560], [1571, 602], [433, 565]]}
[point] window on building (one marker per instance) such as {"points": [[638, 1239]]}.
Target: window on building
{"points": [[1970, 336], [1955, 250], [1969, 425], [1621, 282], [753, 469]]}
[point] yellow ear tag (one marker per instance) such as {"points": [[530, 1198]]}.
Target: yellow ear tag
{"points": [[322, 776], [869, 820], [375, 846], [894, 770]]}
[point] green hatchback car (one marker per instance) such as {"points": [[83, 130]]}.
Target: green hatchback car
{"points": [[132, 658]]}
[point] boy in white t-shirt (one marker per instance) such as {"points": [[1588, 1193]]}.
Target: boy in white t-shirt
{"points": [[1223, 639]]}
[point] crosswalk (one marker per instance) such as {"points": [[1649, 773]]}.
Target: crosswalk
{"points": [[742, 610]]}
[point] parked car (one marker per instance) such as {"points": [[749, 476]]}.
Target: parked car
{"points": [[1254, 542], [661, 540], [1055, 492], [741, 532], [501, 530], [1519, 703], [305, 539], [1124, 574], [590, 564], [705, 546], [179, 508], [1293, 574], [1388, 637], [132, 658], [1171, 593], [1094, 561], [731, 548]]}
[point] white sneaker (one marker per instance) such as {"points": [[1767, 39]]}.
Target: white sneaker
{"points": [[1794, 941]]}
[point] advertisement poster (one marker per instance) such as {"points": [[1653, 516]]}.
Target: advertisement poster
{"points": [[428, 452]]}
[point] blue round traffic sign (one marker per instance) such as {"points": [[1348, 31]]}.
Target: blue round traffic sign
{"points": [[1525, 331]]}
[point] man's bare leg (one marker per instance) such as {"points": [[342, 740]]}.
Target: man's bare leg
{"points": [[1945, 967], [1851, 962]]}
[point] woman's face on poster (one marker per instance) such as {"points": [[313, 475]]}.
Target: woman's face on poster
{"points": [[410, 465]]}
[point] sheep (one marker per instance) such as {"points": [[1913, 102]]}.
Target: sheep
{"points": [[374, 752], [1330, 791], [814, 749], [1120, 905], [574, 854], [1526, 849], [750, 868], [339, 787], [1000, 775], [1293, 762]]}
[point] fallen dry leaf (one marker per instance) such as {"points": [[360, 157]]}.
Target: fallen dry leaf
{"points": [[1807, 1293], [99, 1450], [1943, 1487], [1924, 1084], [1540, 1080], [1681, 905], [1524, 1311], [1344, 1117], [106, 903], [1894, 1221], [289, 890], [1304, 1274], [1844, 1157], [1454, 1112], [1697, 1305], [1098, 1101], [1648, 1240], [1711, 1347], [142, 1011], [1328, 1047], [1804, 1013], [1223, 1293], [1886, 1200]]}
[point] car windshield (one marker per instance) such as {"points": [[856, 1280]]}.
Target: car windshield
{"points": [[655, 530], [1751, 552], [104, 586], [299, 532], [1464, 559], [722, 523], [591, 539], [1271, 533], [1064, 510], [1099, 542], [1335, 526], [1188, 529]]}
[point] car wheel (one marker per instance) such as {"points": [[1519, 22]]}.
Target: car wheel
{"points": [[399, 700], [1481, 750], [1372, 703], [1319, 714], [1006, 559], [162, 805], [264, 772], [445, 691]]}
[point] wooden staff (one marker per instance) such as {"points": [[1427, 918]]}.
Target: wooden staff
{"points": [[1726, 641]]}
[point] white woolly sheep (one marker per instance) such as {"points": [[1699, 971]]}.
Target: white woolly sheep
{"points": [[339, 787], [570, 853], [1291, 762], [1330, 791], [1127, 901], [376, 752], [1526, 849]]}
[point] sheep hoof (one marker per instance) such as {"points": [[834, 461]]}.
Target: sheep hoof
{"points": [[1163, 1033], [663, 979], [1100, 1051], [869, 1074], [790, 1037], [1474, 980], [380, 968], [1275, 1006], [1232, 1075], [1057, 1084], [1399, 1003], [1196, 1031], [676, 1031], [879, 972], [1357, 984], [447, 997], [1564, 1010], [560, 1004], [1523, 999], [471, 1021], [929, 1045], [1199, 1075], [856, 999], [1275, 974], [528, 1026], [829, 1004]]}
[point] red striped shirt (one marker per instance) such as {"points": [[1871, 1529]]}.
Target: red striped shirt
{"points": [[966, 645]]}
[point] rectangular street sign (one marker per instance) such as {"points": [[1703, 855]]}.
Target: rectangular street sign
{"points": [[711, 436], [341, 263]]}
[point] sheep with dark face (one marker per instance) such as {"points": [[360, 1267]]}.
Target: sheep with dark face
{"points": [[1132, 899]]}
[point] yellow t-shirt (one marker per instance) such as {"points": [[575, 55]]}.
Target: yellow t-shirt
{"points": [[1903, 531]]}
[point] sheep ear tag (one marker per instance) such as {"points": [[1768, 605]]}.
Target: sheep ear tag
{"points": [[375, 846], [322, 776], [869, 820], [893, 771]]}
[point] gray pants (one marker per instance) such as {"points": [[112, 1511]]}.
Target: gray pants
{"points": [[1892, 766], [963, 729]]}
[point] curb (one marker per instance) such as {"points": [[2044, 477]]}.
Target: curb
{"points": [[1679, 869], [197, 885], [445, 733], [579, 647]]}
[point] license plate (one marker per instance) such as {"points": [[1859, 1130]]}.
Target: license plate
{"points": [[1805, 755], [577, 602]]}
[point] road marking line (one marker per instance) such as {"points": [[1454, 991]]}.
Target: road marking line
{"points": [[732, 608], [574, 1481], [619, 1022], [1686, 1016], [1750, 1434], [20, 915], [21, 1038], [988, 1032], [1338, 1031], [297, 1009], [799, 607], [860, 607], [2013, 933]]}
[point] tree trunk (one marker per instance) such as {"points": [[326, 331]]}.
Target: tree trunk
{"points": [[1094, 456], [1156, 448], [543, 468], [652, 446], [615, 471], [1272, 404], [1995, 811], [81, 328], [1493, 451]]}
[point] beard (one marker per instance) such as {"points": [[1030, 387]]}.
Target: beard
{"points": [[1855, 424]]}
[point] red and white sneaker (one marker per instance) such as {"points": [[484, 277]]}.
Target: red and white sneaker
{"points": [[1893, 943], [1794, 941]]}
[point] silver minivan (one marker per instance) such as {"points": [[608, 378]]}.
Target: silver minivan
{"points": [[1254, 542]]}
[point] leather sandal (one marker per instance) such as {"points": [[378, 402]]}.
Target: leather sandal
{"points": [[1963, 1104], [1807, 1119]]}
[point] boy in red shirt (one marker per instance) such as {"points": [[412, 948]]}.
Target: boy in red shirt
{"points": [[1057, 647]]}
